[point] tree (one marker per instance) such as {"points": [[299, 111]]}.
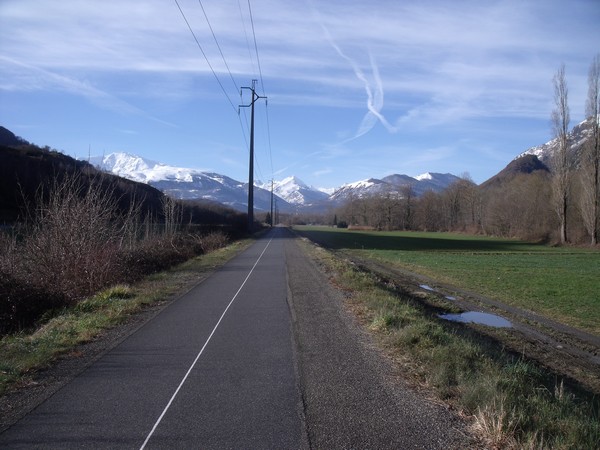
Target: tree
{"points": [[590, 200], [560, 161], [408, 199]]}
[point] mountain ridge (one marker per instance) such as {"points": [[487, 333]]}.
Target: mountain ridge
{"points": [[291, 193]]}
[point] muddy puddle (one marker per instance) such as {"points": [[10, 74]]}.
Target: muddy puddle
{"points": [[491, 320], [426, 287]]}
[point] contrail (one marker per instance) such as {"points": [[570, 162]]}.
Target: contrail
{"points": [[74, 86], [374, 96]]}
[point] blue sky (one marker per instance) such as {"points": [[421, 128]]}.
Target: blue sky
{"points": [[356, 89]]}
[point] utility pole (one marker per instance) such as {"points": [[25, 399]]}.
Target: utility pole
{"points": [[272, 203], [255, 97]]}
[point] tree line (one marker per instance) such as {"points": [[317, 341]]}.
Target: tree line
{"points": [[559, 202]]}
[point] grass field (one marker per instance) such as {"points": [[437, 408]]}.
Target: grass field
{"points": [[562, 283]]}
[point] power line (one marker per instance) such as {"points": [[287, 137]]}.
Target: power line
{"points": [[246, 35], [256, 48], [218, 46], [263, 88], [210, 65], [205, 57]]}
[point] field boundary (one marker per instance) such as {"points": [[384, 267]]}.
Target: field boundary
{"points": [[561, 348]]}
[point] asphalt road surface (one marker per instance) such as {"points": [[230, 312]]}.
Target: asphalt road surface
{"points": [[260, 355]]}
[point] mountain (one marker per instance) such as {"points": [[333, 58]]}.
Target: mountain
{"points": [[360, 189], [577, 137], [525, 164], [435, 182], [28, 172], [9, 139], [187, 184], [295, 191], [291, 194]]}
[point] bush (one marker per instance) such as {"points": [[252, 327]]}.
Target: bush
{"points": [[213, 241], [21, 304], [77, 242]]}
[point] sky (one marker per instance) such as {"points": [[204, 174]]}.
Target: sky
{"points": [[355, 89]]}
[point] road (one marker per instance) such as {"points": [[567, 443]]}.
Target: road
{"points": [[261, 354]]}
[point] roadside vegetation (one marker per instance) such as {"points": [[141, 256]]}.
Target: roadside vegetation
{"points": [[561, 283], [24, 352], [76, 240], [80, 262], [512, 402]]}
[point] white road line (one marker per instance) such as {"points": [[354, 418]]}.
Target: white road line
{"points": [[202, 350]]}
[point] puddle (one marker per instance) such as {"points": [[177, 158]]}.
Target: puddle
{"points": [[491, 320], [427, 288], [449, 297]]}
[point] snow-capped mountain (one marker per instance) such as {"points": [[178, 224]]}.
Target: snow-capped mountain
{"points": [[577, 137], [291, 193], [185, 183], [393, 184], [295, 191], [360, 189]]}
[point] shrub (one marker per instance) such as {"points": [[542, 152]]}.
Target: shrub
{"points": [[77, 242], [213, 241]]}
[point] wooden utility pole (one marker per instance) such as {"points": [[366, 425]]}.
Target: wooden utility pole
{"points": [[272, 203], [255, 97]]}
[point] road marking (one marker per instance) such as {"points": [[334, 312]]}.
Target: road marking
{"points": [[202, 349]]}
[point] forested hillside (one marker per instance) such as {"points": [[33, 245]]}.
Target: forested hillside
{"points": [[70, 230]]}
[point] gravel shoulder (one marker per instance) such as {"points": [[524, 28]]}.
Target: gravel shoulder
{"points": [[351, 397]]}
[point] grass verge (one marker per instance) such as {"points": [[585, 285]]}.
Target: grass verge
{"points": [[512, 402], [23, 353]]}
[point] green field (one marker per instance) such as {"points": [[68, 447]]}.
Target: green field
{"points": [[562, 283]]}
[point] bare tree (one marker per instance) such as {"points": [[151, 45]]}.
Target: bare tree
{"points": [[408, 206], [560, 161], [590, 200]]}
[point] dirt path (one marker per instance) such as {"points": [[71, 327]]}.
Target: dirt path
{"points": [[563, 349]]}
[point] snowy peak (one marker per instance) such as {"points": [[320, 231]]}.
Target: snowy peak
{"points": [[140, 169], [291, 192], [394, 184], [425, 176], [296, 192], [184, 183], [576, 137], [291, 182]]}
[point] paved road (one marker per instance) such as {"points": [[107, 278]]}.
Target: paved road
{"points": [[259, 355]]}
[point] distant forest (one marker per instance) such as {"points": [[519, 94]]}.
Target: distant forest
{"points": [[517, 202]]}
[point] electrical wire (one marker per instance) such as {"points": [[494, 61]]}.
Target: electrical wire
{"points": [[205, 57], [218, 46], [263, 87], [256, 49], [230, 73]]}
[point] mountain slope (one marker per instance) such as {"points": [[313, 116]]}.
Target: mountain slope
{"points": [[27, 171], [435, 182], [295, 191], [577, 138], [526, 164]]}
